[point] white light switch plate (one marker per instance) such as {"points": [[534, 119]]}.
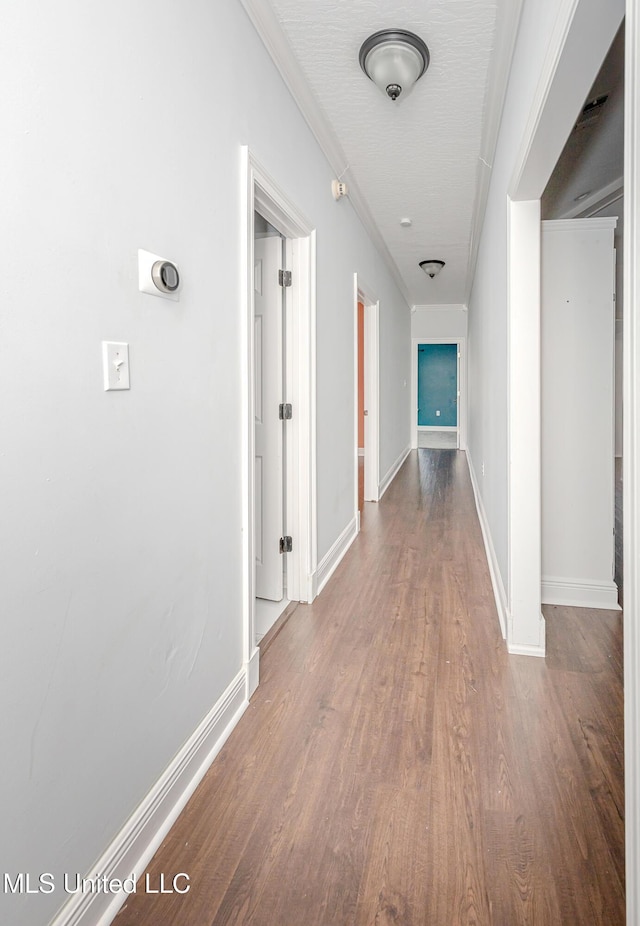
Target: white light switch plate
{"points": [[115, 365]]}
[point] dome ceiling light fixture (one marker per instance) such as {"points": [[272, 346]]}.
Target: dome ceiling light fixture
{"points": [[431, 267], [394, 60]]}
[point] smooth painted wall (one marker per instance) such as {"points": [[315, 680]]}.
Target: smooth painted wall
{"points": [[616, 210], [488, 309], [439, 322], [121, 527], [577, 347]]}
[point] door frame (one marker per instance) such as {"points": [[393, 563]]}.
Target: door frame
{"points": [[259, 192], [462, 388], [362, 293]]}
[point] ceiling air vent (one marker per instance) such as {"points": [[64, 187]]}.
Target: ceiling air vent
{"points": [[591, 111]]}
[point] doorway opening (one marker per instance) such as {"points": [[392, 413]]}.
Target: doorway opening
{"points": [[583, 209], [278, 408], [437, 396], [438, 416], [270, 431], [366, 392]]}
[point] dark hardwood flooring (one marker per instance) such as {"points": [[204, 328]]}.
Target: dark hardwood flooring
{"points": [[397, 766]]}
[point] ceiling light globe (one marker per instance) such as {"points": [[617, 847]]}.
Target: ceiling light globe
{"points": [[431, 267], [394, 60]]}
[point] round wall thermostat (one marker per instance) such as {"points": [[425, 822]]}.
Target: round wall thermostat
{"points": [[165, 276]]}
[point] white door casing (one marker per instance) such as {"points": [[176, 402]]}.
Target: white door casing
{"points": [[268, 474], [260, 192]]}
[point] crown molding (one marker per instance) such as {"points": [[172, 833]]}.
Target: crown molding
{"points": [[570, 225], [270, 32]]}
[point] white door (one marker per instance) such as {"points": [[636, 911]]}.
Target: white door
{"points": [[268, 426]]}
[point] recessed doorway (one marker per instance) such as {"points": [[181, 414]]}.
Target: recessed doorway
{"points": [[366, 394], [288, 349]]}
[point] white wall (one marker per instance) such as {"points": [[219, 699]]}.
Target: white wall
{"points": [[487, 360], [616, 210], [488, 304], [577, 349], [120, 535], [439, 322]]}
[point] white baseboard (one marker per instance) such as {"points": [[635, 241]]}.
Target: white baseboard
{"points": [[580, 593], [331, 560], [253, 672], [135, 844], [392, 472], [524, 649], [499, 592]]}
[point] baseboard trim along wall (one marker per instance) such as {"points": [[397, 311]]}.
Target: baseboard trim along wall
{"points": [[526, 649], [392, 472], [580, 593], [135, 844], [253, 672], [332, 559], [499, 592]]}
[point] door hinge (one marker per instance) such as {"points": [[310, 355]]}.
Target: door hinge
{"points": [[284, 277], [285, 412], [286, 544]]}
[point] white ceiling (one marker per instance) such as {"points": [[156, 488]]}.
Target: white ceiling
{"points": [[425, 157]]}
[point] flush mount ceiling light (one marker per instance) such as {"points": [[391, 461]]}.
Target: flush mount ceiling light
{"points": [[394, 60], [432, 267]]}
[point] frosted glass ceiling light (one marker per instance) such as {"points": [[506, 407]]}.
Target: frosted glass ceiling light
{"points": [[432, 267], [394, 60]]}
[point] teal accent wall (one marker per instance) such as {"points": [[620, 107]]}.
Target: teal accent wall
{"points": [[438, 385]]}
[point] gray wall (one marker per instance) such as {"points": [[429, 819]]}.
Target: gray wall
{"points": [[121, 529], [439, 322], [487, 363]]}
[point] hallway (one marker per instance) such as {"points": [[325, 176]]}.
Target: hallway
{"points": [[396, 766]]}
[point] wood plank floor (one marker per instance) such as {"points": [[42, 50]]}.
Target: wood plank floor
{"points": [[396, 766]]}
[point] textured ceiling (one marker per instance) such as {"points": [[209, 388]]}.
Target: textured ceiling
{"points": [[419, 157]]}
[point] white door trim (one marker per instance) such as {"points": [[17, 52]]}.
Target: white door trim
{"points": [[525, 622], [363, 294], [259, 191], [462, 389]]}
